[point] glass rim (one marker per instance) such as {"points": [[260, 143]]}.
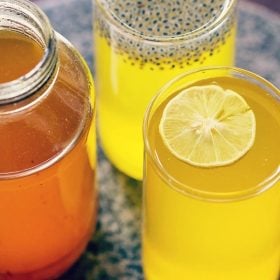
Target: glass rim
{"points": [[172, 182], [27, 84], [203, 30]]}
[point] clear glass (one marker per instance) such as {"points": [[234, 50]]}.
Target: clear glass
{"points": [[48, 195], [221, 222], [138, 46]]}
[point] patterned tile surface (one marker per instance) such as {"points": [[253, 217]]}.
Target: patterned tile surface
{"points": [[114, 251]]}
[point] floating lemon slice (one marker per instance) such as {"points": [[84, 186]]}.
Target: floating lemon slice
{"points": [[208, 126]]}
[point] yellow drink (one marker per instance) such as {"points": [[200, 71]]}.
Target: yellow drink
{"points": [[131, 65], [214, 223]]}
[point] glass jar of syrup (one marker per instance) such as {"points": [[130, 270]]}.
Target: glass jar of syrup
{"points": [[48, 196]]}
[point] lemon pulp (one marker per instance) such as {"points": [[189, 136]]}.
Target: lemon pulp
{"points": [[208, 126]]}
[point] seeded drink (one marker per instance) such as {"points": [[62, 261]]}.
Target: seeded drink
{"points": [[139, 46]]}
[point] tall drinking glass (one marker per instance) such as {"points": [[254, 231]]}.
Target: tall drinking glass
{"points": [[212, 216], [141, 44]]}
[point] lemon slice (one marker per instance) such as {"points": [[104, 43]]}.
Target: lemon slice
{"points": [[208, 126]]}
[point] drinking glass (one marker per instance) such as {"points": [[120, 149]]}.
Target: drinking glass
{"points": [[138, 45], [221, 222]]}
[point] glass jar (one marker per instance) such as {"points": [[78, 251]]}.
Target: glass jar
{"points": [[48, 195]]}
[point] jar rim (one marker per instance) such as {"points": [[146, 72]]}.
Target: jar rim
{"points": [[25, 85]]}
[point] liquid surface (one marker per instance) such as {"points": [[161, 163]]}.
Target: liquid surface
{"points": [[260, 163], [46, 218], [166, 18], [18, 55]]}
